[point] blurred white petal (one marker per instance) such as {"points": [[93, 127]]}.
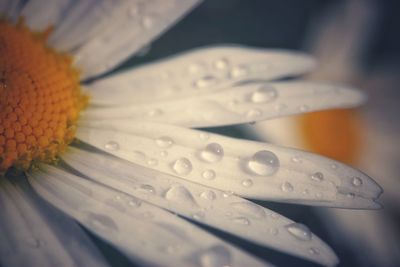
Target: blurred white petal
{"points": [[147, 234], [33, 234]]}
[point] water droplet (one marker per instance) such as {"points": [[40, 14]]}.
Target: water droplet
{"points": [[239, 71], [304, 108], [249, 209], [163, 153], [287, 187], [318, 176], [154, 112], [101, 222], [334, 166], [314, 251], [209, 174], [164, 142], [146, 188], [265, 93], [350, 195], [111, 146], [300, 231], [216, 256], [196, 68], [241, 220], [212, 152], [264, 163], [180, 194], [152, 162], [147, 22], [208, 195], [135, 203], [297, 159], [205, 81], [247, 183], [198, 215], [204, 136], [253, 113], [356, 181], [227, 194], [221, 64], [273, 231], [182, 166]]}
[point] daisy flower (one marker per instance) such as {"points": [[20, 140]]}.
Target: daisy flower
{"points": [[137, 176]]}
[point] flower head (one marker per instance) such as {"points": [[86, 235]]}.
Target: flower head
{"points": [[136, 163]]}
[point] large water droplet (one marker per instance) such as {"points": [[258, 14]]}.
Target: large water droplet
{"points": [[209, 174], [205, 81], [264, 163], [356, 181], [216, 256], [300, 231], [265, 93], [111, 146], [318, 176], [180, 194], [287, 187], [164, 141], [212, 152], [182, 166], [249, 209]]}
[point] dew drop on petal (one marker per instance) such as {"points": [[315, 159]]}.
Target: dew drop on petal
{"points": [[253, 113], [299, 231], [265, 93], [152, 162], [249, 209], [304, 108], [287, 187], [146, 188], [247, 183], [198, 215], [264, 163], [221, 64], [239, 71], [209, 174], [180, 194], [241, 220], [208, 195], [111, 146], [216, 256], [204, 136], [318, 176], [356, 181], [297, 159], [164, 142], [213, 152], [182, 166], [314, 251], [273, 231], [205, 81]]}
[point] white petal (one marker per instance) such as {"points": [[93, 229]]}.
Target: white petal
{"points": [[41, 14], [196, 73], [218, 209], [115, 30], [251, 169], [35, 234], [148, 234], [235, 105]]}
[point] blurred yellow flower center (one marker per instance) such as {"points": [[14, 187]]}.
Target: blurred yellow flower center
{"points": [[333, 133], [40, 98]]}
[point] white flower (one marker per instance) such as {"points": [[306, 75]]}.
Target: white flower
{"points": [[155, 167]]}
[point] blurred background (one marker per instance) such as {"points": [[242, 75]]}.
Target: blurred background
{"points": [[356, 42]]}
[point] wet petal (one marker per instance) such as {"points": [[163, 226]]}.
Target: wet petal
{"points": [[109, 33], [216, 208], [147, 234], [199, 72], [35, 234], [251, 169]]}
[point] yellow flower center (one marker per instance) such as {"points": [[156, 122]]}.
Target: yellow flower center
{"points": [[40, 98]]}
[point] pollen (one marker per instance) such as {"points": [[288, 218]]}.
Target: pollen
{"points": [[40, 98]]}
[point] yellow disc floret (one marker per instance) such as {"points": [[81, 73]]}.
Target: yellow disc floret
{"points": [[40, 98]]}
